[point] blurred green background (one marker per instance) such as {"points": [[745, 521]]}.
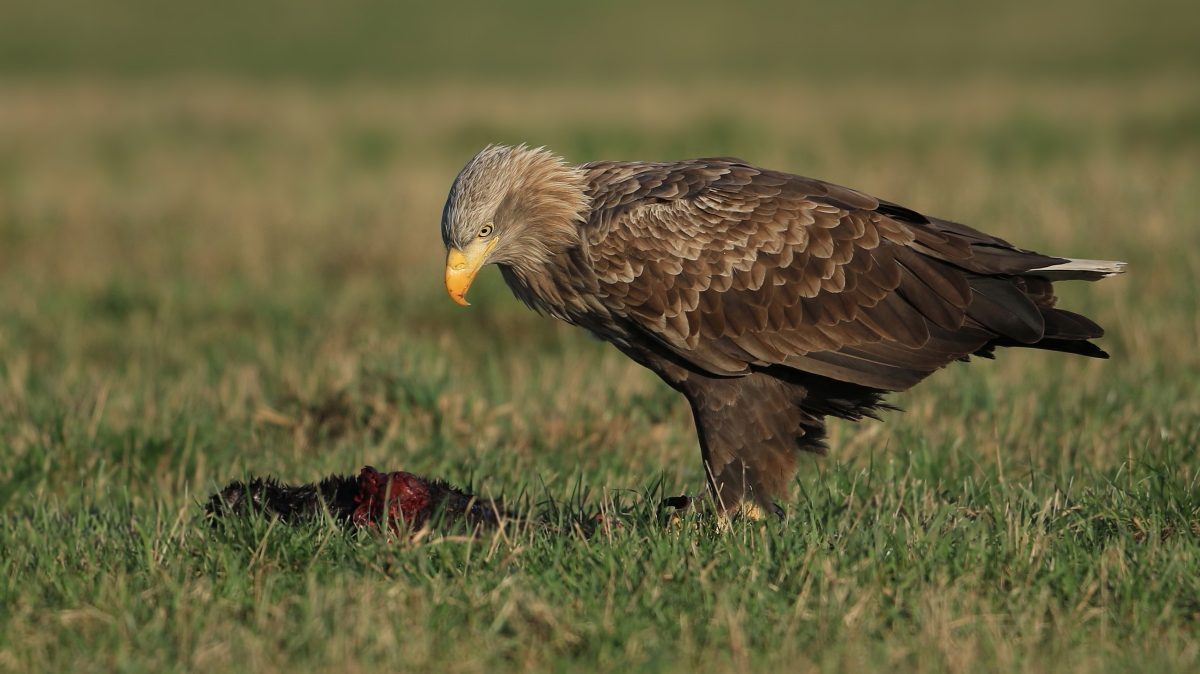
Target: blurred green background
{"points": [[219, 256], [615, 42]]}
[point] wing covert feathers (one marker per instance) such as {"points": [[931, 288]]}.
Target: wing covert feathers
{"points": [[735, 269]]}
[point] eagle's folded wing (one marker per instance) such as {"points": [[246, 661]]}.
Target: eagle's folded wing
{"points": [[732, 268]]}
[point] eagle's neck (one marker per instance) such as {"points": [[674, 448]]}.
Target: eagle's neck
{"points": [[552, 287], [544, 260]]}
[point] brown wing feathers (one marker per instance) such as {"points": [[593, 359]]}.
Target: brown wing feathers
{"points": [[736, 268]]}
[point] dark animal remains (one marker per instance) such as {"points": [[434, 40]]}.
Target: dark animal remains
{"points": [[399, 501]]}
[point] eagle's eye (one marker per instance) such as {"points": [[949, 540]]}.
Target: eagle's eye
{"points": [[485, 231]]}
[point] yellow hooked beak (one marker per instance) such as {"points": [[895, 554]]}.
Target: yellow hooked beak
{"points": [[461, 269]]}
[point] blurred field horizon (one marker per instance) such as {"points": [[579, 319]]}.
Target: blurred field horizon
{"points": [[219, 257], [538, 41]]}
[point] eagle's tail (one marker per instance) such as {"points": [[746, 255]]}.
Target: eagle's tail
{"points": [[1079, 270], [1060, 330]]}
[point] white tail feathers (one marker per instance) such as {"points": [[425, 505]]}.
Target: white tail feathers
{"points": [[1079, 270]]}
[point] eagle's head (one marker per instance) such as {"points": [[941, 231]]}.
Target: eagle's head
{"points": [[513, 206]]}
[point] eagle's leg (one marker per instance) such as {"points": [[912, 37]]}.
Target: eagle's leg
{"points": [[751, 430], [735, 491]]}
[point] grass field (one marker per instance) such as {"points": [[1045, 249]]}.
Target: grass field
{"points": [[213, 272], [211, 280]]}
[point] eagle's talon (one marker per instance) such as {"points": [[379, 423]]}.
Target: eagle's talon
{"points": [[676, 502]]}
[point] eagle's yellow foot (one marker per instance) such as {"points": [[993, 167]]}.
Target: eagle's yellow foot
{"points": [[748, 510], [675, 508], [751, 511]]}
